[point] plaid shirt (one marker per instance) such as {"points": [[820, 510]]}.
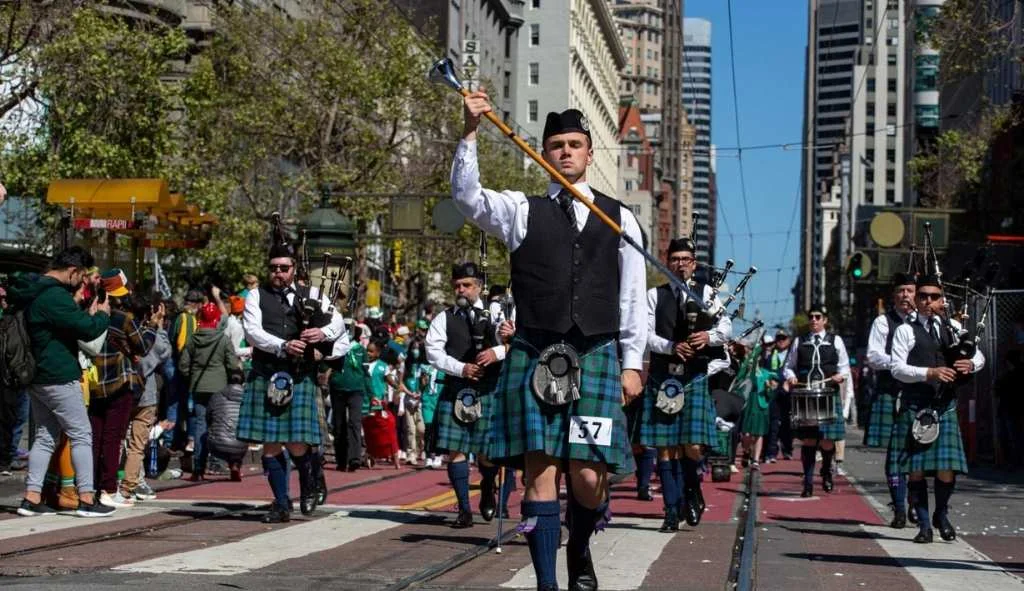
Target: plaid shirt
{"points": [[116, 365]]}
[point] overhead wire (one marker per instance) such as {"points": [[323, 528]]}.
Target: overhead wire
{"points": [[736, 119]]}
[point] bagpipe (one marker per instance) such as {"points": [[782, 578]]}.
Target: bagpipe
{"points": [[706, 316]]}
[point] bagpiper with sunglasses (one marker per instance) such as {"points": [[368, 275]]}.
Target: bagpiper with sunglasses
{"points": [[883, 404], [819, 357], [289, 327], [926, 437], [678, 413], [579, 342]]}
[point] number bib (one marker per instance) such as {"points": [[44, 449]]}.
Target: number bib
{"points": [[590, 430]]}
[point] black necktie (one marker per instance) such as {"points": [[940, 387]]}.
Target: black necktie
{"points": [[933, 328], [565, 202], [817, 340]]}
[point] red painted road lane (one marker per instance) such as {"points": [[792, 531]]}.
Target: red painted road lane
{"points": [[105, 554], [421, 485], [779, 498]]}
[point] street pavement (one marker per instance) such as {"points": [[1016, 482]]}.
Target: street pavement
{"points": [[388, 529]]}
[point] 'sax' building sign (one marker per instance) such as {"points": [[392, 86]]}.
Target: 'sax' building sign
{"points": [[471, 63]]}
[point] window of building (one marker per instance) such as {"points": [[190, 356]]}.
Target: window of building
{"points": [[894, 41], [629, 186], [871, 84], [508, 45], [869, 129], [890, 109], [629, 86], [892, 59], [894, 23], [891, 85], [506, 89], [534, 73], [869, 23], [890, 177], [869, 155], [534, 35], [890, 196], [533, 110], [535, 4], [890, 156]]}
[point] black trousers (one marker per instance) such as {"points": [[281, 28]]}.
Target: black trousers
{"points": [[8, 416], [346, 424], [780, 430]]}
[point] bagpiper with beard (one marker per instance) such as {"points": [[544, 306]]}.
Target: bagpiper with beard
{"points": [[461, 344], [819, 355], [883, 405], [919, 363], [279, 406], [679, 415], [579, 292]]}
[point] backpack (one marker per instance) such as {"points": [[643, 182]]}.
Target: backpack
{"points": [[17, 366]]}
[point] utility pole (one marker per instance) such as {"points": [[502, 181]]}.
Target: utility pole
{"points": [[845, 209]]}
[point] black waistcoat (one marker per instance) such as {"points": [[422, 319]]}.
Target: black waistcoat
{"points": [[886, 383], [281, 320], [925, 353], [460, 342], [561, 280], [675, 325], [828, 356]]}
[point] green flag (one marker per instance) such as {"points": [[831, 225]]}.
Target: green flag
{"points": [[746, 380]]}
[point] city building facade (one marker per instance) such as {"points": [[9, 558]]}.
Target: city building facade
{"points": [[696, 85], [636, 169]]}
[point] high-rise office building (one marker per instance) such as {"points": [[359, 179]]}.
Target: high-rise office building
{"points": [[570, 56], [696, 86]]}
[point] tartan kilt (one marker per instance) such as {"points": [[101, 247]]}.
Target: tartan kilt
{"points": [[880, 421], [634, 412], [261, 422], [834, 430], [449, 434], [945, 453], [521, 423], [693, 424], [755, 419]]}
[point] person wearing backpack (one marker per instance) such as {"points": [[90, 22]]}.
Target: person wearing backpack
{"points": [[43, 354]]}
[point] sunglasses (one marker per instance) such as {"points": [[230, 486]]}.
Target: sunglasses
{"points": [[929, 296], [816, 317], [279, 268]]}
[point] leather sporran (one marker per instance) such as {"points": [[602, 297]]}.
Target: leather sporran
{"points": [[556, 379]]}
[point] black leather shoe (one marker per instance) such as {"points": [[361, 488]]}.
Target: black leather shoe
{"points": [[692, 512], [946, 530], [808, 491], [321, 490], [924, 537], [826, 482], [644, 494], [899, 521], [671, 522], [277, 515], [307, 504], [581, 572], [701, 505], [464, 520], [548, 587], [488, 501]]}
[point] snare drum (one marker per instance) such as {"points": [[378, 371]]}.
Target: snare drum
{"points": [[810, 407]]}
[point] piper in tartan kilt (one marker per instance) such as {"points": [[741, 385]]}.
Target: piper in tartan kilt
{"points": [[579, 291], [273, 326], [919, 362], [819, 356], [461, 343], [883, 406], [680, 355]]}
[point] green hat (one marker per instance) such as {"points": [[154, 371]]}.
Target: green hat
{"points": [[422, 323]]}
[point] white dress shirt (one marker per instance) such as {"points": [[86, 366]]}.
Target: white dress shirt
{"points": [[717, 335], [257, 337], [505, 215], [437, 338], [877, 358], [903, 342], [843, 365]]}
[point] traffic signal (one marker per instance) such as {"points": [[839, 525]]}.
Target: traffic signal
{"points": [[859, 265]]}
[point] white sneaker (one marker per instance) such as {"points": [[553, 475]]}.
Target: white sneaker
{"points": [[116, 500], [143, 492]]}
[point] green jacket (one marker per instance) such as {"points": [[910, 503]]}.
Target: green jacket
{"points": [[55, 325], [351, 376], [206, 360]]}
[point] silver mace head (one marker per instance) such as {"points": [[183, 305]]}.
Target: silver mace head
{"points": [[443, 72]]}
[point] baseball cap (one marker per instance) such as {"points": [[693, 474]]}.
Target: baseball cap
{"points": [[422, 323], [115, 282]]}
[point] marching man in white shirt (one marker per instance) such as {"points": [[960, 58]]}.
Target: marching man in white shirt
{"points": [[927, 405], [579, 292]]}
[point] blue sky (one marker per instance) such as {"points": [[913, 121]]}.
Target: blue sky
{"points": [[769, 39]]}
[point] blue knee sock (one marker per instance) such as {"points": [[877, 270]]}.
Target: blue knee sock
{"points": [[507, 486], [669, 485], [543, 539], [919, 497], [583, 522], [458, 475], [277, 476], [898, 492], [807, 459], [645, 467]]}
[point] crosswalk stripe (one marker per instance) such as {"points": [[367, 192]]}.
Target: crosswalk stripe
{"points": [[262, 550], [943, 566], [26, 526], [622, 553]]}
